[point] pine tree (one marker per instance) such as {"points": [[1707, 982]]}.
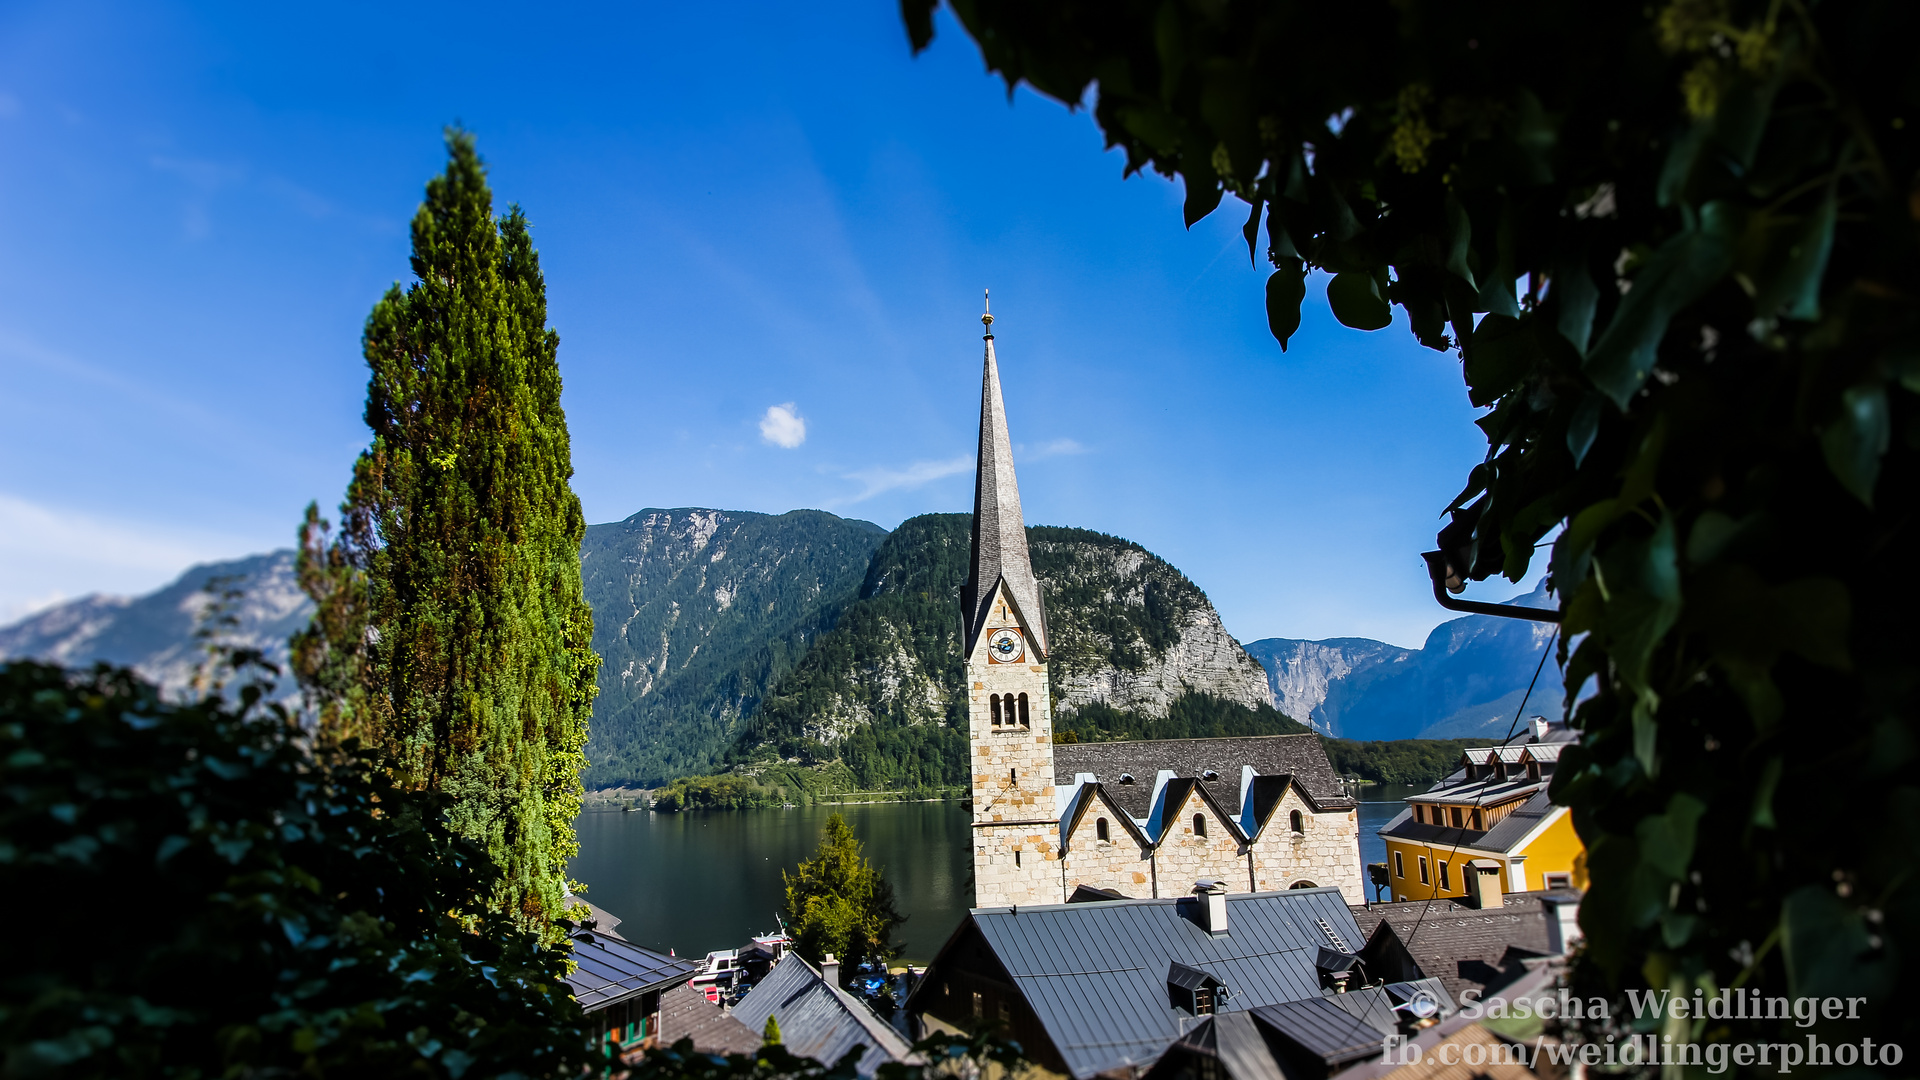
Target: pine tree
{"points": [[770, 1035], [838, 902], [451, 631]]}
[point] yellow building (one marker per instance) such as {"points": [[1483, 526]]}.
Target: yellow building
{"points": [[1491, 817]]}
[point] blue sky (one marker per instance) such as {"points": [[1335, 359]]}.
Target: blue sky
{"points": [[738, 208]]}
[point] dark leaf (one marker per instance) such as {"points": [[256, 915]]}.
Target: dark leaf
{"points": [[1286, 288], [1683, 269], [1584, 427], [918, 15], [1856, 440], [1356, 301]]}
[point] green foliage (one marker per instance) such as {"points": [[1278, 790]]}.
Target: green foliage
{"points": [[1674, 247], [729, 791], [838, 902], [1192, 715], [699, 612], [255, 909], [1398, 761], [881, 692], [770, 1035], [451, 630]]}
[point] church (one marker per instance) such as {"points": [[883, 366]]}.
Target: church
{"points": [[1140, 819]]}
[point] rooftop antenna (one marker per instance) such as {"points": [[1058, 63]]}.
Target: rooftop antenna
{"points": [[986, 317]]}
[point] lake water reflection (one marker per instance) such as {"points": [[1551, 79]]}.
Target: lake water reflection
{"points": [[708, 880]]}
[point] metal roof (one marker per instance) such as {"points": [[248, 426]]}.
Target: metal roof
{"points": [[1507, 833], [1336, 1030], [610, 969], [1189, 978], [820, 1021], [1095, 974]]}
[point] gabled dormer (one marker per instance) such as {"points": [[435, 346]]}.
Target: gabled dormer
{"points": [[1194, 991]]}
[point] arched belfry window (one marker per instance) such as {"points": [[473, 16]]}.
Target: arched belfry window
{"points": [[1024, 721], [1100, 829], [1299, 825], [1199, 824], [995, 705]]}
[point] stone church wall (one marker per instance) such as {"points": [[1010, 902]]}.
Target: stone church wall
{"points": [[1118, 863], [1325, 852]]}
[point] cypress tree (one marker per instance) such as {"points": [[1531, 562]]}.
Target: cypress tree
{"points": [[451, 631]]}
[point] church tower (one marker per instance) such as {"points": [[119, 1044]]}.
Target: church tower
{"points": [[1015, 821]]}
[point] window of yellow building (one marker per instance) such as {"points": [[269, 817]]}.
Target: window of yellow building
{"points": [[1423, 871], [1399, 866], [1444, 884]]}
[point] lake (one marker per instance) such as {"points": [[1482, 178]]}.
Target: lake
{"points": [[706, 880]]}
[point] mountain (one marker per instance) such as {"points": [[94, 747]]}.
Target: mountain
{"points": [[696, 612], [1467, 681], [155, 634], [881, 693]]}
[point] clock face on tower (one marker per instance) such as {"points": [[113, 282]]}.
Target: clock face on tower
{"points": [[1005, 646]]}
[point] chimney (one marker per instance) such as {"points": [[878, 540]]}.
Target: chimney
{"points": [[1539, 728], [1483, 885], [830, 969], [1211, 902], [1563, 921]]}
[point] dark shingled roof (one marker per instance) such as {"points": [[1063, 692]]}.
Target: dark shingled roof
{"points": [[609, 969], [1300, 756], [685, 1013], [819, 1021], [1095, 975], [1461, 946]]}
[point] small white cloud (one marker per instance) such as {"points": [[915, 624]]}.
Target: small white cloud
{"points": [[884, 478], [783, 427], [1056, 448]]}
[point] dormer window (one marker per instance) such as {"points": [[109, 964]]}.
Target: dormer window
{"points": [[1126, 778], [1209, 775], [1197, 992]]}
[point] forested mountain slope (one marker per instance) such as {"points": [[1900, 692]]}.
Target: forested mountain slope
{"points": [[696, 612], [880, 693]]}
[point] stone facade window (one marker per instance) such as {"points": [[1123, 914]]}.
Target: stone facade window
{"points": [[1299, 826], [995, 705], [1100, 829], [1024, 721], [1199, 824]]}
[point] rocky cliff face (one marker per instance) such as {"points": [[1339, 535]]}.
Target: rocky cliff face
{"points": [[1302, 673], [1131, 632], [1468, 680], [156, 634], [696, 612]]}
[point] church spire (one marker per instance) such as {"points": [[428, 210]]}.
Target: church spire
{"points": [[999, 532]]}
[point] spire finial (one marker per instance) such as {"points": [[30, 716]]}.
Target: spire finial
{"points": [[986, 317]]}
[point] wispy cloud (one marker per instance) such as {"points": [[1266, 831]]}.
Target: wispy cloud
{"points": [[1055, 448], [783, 427], [882, 478], [52, 553]]}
